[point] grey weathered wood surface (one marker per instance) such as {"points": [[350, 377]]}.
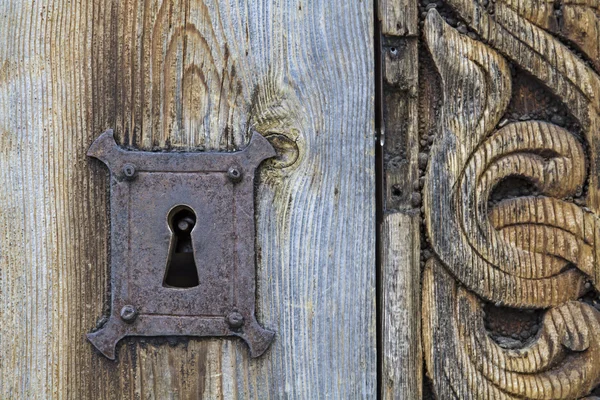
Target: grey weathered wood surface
{"points": [[401, 355], [399, 103], [188, 75], [398, 17]]}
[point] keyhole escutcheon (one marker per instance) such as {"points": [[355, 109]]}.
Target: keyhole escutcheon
{"points": [[181, 270]]}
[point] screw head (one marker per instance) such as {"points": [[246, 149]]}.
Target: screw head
{"points": [[128, 313], [129, 171], [234, 174], [235, 320]]}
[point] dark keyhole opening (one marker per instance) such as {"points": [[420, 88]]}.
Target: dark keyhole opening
{"points": [[181, 267]]}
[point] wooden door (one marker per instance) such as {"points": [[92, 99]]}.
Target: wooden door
{"points": [[200, 76], [428, 228]]}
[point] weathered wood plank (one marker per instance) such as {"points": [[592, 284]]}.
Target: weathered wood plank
{"points": [[400, 123], [188, 74], [399, 271], [402, 355], [399, 17]]}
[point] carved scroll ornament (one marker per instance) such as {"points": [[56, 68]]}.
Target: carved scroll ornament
{"points": [[536, 252]]}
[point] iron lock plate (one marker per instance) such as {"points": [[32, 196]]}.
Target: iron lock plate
{"points": [[215, 194]]}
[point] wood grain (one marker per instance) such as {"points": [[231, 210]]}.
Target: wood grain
{"points": [[574, 20], [398, 17], [402, 358], [399, 270], [531, 250], [194, 75], [400, 123], [561, 362], [463, 172], [561, 70]]}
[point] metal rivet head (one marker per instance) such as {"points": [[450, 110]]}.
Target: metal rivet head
{"points": [[234, 174], [128, 313], [235, 320], [129, 171]]}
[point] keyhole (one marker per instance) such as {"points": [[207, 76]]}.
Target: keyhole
{"points": [[181, 268]]}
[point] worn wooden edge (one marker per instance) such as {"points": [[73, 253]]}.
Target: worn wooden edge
{"points": [[401, 350], [399, 17], [400, 132]]}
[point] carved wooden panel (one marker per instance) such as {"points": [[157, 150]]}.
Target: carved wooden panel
{"points": [[511, 198]]}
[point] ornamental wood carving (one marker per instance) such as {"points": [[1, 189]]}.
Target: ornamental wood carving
{"points": [[536, 250]]}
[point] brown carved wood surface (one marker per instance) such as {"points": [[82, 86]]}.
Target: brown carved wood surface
{"points": [[511, 199]]}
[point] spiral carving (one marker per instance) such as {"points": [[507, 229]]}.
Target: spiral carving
{"points": [[530, 251]]}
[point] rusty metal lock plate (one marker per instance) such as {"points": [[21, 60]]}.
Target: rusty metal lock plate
{"points": [[171, 211]]}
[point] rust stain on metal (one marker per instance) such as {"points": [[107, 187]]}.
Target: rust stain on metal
{"points": [[182, 244]]}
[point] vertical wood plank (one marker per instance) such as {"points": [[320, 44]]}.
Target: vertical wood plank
{"points": [[195, 75], [400, 123], [401, 307], [401, 356], [399, 17]]}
